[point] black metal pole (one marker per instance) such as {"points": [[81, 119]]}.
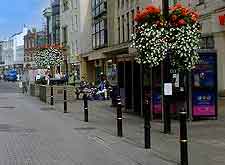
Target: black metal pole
{"points": [[52, 97], [166, 109], [65, 100], [147, 124], [119, 117], [183, 138], [85, 108]]}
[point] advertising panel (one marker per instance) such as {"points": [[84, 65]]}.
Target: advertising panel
{"points": [[204, 90], [204, 103]]}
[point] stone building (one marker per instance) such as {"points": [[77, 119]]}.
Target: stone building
{"points": [[213, 33], [73, 14], [32, 41]]}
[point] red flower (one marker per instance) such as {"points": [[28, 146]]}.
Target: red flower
{"points": [[138, 17], [179, 5], [182, 22], [152, 9]]}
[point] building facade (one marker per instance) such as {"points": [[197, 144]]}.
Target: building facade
{"points": [[213, 33], [52, 15], [72, 19], [111, 54], [33, 41], [2, 62]]}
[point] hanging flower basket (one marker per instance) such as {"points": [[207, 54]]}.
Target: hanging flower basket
{"points": [[47, 57], [156, 36]]}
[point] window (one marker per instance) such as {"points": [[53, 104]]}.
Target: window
{"points": [[128, 27], [123, 35], [75, 4], [132, 23], [65, 5], [93, 4], [76, 47], [65, 39], [122, 5], [76, 23], [207, 42], [118, 29], [118, 3], [127, 3], [99, 35], [200, 2]]}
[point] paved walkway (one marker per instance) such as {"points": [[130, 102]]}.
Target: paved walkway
{"points": [[32, 133], [206, 138]]}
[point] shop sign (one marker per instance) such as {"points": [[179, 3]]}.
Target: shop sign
{"points": [[222, 19]]}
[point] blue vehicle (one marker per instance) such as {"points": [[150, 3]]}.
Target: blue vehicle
{"points": [[11, 75]]}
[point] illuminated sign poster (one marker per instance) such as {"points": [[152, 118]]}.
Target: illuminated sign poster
{"points": [[156, 99], [204, 91]]}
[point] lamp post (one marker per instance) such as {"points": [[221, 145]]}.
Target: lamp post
{"points": [[165, 76]]}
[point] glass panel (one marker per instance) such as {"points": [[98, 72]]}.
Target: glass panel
{"points": [[210, 43], [93, 29], [102, 25], [98, 39], [102, 34], [93, 41]]}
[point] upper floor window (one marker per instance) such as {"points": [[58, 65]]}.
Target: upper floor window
{"points": [[127, 3], [65, 35], [76, 23], [98, 7], [75, 4], [122, 4], [65, 5], [207, 42], [99, 34], [133, 23], [200, 2]]}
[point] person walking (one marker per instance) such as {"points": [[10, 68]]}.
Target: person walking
{"points": [[25, 81]]}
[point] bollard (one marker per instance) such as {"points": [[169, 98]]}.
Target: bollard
{"points": [[119, 118], [147, 125], [85, 108], [65, 100], [52, 97], [183, 138], [167, 117]]}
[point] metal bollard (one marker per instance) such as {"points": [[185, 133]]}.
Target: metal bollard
{"points": [[52, 97], [65, 100], [119, 117], [183, 138], [167, 118], [85, 108], [147, 125]]}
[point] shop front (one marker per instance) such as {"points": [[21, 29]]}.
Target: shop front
{"points": [[199, 95]]}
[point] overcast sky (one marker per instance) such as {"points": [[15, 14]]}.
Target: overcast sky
{"points": [[15, 13]]}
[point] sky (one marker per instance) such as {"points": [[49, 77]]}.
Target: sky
{"points": [[15, 13]]}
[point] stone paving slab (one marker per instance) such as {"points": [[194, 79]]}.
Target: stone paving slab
{"points": [[206, 138], [32, 136]]}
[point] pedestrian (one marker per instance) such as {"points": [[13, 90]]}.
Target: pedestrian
{"points": [[25, 81]]}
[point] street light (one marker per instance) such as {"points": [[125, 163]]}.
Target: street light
{"points": [[165, 76]]}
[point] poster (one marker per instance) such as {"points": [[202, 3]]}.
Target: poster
{"points": [[157, 108], [204, 103], [204, 73], [204, 87]]}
